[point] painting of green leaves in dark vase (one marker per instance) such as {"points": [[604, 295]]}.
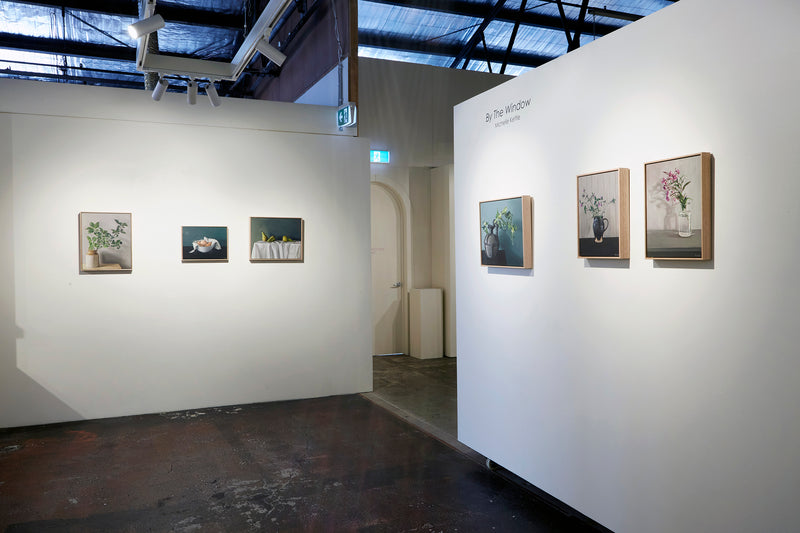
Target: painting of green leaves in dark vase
{"points": [[603, 223], [505, 231]]}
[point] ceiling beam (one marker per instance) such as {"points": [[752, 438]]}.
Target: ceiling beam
{"points": [[512, 39], [573, 39], [381, 40], [480, 11], [82, 80], [130, 8], [14, 41], [46, 45], [466, 52]]}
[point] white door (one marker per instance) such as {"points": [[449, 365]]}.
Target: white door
{"points": [[387, 290]]}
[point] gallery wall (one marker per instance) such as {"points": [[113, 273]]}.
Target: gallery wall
{"points": [[174, 335], [652, 396], [443, 263]]}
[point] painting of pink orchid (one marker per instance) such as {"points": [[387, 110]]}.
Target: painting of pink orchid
{"points": [[674, 185], [679, 207]]}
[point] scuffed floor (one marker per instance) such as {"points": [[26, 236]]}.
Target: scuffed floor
{"points": [[423, 388], [334, 464]]}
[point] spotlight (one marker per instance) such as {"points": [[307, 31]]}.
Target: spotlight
{"points": [[145, 26], [213, 97], [161, 88], [270, 52], [191, 92]]}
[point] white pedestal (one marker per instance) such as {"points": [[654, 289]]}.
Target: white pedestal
{"points": [[426, 323]]}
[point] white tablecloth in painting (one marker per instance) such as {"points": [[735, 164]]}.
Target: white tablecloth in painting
{"points": [[276, 250]]}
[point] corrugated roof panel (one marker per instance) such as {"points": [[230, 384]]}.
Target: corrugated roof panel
{"points": [[411, 22], [545, 40], [230, 7], [540, 41], [205, 42], [482, 66], [405, 57]]}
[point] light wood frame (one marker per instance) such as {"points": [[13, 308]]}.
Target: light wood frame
{"points": [[211, 232], [124, 254], [598, 245], [525, 207], [281, 223], [662, 240]]}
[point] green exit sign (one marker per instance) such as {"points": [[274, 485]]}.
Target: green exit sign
{"points": [[346, 116], [379, 156]]}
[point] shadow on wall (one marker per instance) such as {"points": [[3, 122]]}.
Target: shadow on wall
{"points": [[23, 401]]}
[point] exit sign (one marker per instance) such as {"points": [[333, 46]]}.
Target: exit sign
{"points": [[379, 156], [346, 116]]}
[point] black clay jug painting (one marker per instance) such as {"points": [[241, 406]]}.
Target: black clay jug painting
{"points": [[603, 215]]}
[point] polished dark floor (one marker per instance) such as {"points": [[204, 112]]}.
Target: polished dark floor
{"points": [[335, 464]]}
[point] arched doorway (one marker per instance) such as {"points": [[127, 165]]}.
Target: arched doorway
{"points": [[388, 272]]}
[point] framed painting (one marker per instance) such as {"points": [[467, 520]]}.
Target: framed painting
{"points": [[204, 244], [276, 239], [603, 214], [105, 242], [506, 232], [678, 208]]}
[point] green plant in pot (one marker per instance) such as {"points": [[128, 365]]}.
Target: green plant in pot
{"points": [[99, 238], [503, 220]]}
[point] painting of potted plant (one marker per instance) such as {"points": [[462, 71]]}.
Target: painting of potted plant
{"points": [[506, 232], [603, 201], [678, 207], [105, 242]]}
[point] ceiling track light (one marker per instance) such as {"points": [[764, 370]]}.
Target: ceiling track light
{"points": [[161, 88], [193, 69], [146, 26], [191, 92], [213, 96], [270, 52]]}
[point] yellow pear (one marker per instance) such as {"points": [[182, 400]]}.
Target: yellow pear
{"points": [[271, 238], [285, 238], [263, 236]]}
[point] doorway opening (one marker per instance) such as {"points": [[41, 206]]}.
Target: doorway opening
{"points": [[422, 391], [389, 323]]}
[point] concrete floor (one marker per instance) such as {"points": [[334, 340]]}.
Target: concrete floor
{"points": [[421, 390], [336, 464], [424, 392]]}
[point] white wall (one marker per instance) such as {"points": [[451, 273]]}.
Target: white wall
{"points": [[443, 258], [653, 396], [171, 335], [326, 90], [408, 109]]}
